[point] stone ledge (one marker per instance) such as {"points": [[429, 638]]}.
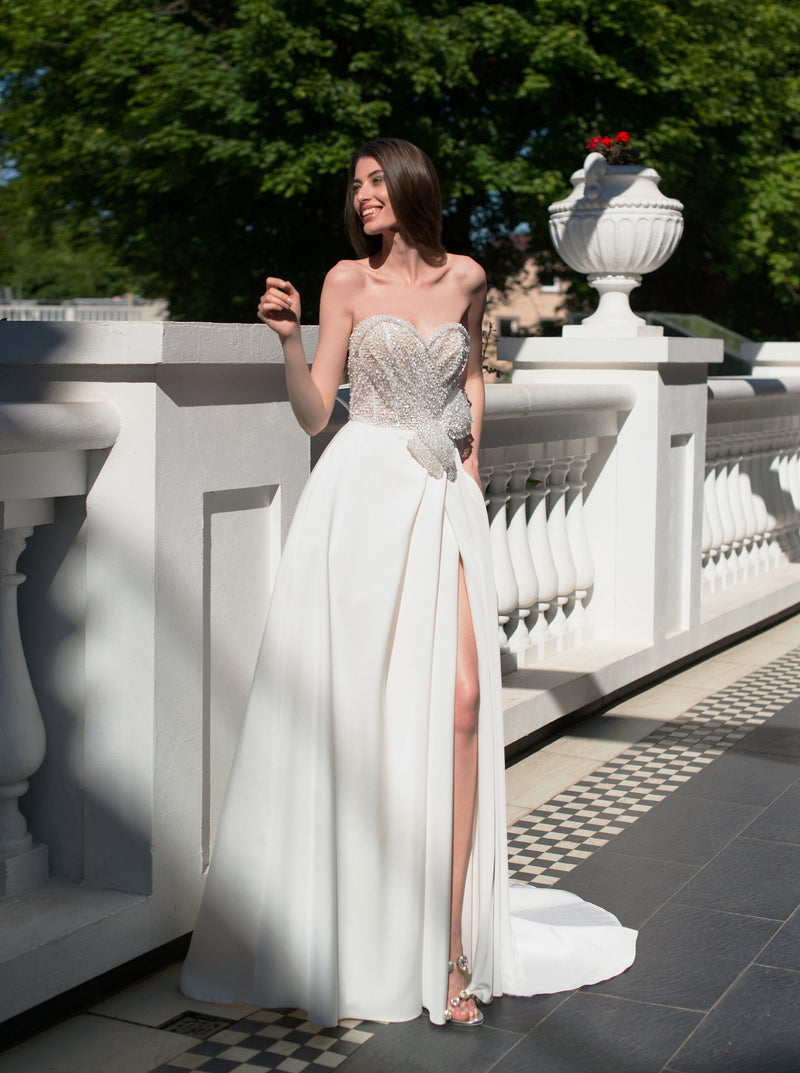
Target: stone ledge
{"points": [[61, 934]]}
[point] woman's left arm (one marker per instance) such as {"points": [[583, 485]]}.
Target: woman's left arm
{"points": [[473, 382]]}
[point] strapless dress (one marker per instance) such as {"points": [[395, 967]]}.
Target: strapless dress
{"points": [[329, 883]]}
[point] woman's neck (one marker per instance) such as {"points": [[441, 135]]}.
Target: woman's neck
{"points": [[399, 259]]}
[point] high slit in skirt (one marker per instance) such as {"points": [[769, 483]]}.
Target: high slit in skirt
{"points": [[329, 886]]}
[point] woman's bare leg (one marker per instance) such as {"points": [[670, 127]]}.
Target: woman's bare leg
{"points": [[465, 778]]}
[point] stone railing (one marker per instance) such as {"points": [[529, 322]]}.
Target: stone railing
{"points": [[685, 522], [147, 592], [751, 501], [47, 451], [537, 447], [118, 309]]}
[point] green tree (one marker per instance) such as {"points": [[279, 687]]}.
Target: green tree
{"points": [[68, 259], [210, 139]]}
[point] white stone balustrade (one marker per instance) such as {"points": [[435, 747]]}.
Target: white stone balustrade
{"points": [[44, 455], [752, 486], [141, 618], [544, 570]]}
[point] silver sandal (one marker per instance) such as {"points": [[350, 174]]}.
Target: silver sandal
{"points": [[462, 964]]}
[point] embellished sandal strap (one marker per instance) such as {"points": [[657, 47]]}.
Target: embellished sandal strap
{"points": [[462, 964]]}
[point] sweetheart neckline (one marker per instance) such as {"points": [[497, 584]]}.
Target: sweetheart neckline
{"points": [[402, 320]]}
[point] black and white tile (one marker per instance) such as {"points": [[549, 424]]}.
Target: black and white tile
{"points": [[271, 1039], [553, 839]]}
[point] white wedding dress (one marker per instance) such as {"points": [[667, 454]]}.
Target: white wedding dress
{"points": [[329, 887]]}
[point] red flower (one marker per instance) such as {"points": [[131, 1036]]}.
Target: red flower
{"points": [[616, 150]]}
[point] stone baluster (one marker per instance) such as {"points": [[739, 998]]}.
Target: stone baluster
{"points": [[22, 737], [578, 540], [727, 561], [714, 535], [753, 503], [524, 571], [793, 481], [737, 559], [559, 539], [740, 503], [541, 555], [778, 472], [780, 465], [773, 496], [505, 581], [705, 551]]}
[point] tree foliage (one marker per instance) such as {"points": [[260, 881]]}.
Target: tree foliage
{"points": [[206, 142]]}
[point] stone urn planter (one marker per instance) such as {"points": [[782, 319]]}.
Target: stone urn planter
{"points": [[615, 226]]}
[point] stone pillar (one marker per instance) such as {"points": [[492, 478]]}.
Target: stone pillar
{"points": [[23, 863]]}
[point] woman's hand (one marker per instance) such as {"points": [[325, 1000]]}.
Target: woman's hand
{"points": [[279, 307]]}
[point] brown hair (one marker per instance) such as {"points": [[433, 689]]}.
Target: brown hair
{"points": [[413, 187]]}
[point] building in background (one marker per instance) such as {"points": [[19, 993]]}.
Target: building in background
{"points": [[531, 304]]}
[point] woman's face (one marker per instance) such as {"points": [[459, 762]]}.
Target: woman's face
{"points": [[371, 198]]}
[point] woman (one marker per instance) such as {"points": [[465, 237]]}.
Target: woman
{"points": [[360, 864]]}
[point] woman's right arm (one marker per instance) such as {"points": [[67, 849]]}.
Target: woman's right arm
{"points": [[312, 392]]}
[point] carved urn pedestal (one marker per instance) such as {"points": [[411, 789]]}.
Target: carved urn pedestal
{"points": [[615, 226]]}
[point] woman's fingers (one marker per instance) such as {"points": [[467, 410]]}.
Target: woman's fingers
{"points": [[279, 300], [278, 295], [281, 290]]}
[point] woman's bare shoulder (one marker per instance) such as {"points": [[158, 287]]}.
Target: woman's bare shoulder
{"points": [[467, 271], [347, 273]]}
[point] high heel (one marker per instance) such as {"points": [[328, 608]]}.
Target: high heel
{"points": [[462, 964]]}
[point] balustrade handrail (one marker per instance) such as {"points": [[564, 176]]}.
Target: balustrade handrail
{"points": [[518, 400], [751, 398], [50, 426]]}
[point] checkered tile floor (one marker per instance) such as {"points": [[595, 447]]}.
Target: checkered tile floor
{"points": [[542, 847], [557, 836], [271, 1039]]}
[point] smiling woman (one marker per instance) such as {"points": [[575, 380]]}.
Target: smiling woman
{"points": [[360, 863], [415, 199]]}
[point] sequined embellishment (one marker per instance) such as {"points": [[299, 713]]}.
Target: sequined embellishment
{"points": [[399, 379]]}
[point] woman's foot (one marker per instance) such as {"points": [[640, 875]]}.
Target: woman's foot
{"points": [[462, 1008]]}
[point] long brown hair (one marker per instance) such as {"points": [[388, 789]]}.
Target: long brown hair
{"points": [[413, 187]]}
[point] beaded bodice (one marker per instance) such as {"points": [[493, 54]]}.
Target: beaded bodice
{"points": [[400, 379]]}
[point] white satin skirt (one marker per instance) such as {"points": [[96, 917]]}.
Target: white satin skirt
{"points": [[329, 885]]}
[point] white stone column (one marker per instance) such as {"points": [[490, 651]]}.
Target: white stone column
{"points": [[727, 556], [23, 864], [793, 483], [578, 540], [713, 533], [785, 516], [524, 571], [773, 495], [505, 582], [759, 482], [541, 555], [559, 538], [751, 539]]}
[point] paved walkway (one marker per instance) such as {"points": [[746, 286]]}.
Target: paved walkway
{"points": [[679, 810]]}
